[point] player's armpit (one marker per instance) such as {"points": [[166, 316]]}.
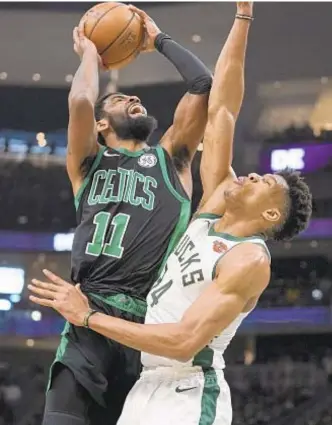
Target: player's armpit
{"points": [[243, 274], [188, 127], [216, 204]]}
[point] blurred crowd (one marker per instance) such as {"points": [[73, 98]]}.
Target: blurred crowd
{"points": [[261, 392], [299, 282]]}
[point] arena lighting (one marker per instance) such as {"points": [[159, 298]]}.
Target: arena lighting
{"points": [[3, 75], [36, 316], [15, 298], [30, 342], [36, 77], [69, 78], [283, 158], [63, 241], [11, 280], [42, 142], [317, 294], [5, 305], [196, 38]]}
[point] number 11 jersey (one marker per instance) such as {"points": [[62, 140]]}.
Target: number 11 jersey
{"points": [[132, 211]]}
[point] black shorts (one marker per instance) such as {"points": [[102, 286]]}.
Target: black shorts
{"points": [[105, 368]]}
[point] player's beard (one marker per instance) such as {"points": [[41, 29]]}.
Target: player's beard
{"points": [[138, 128]]}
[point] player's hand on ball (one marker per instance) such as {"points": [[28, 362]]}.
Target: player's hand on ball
{"points": [[245, 7], [66, 299], [83, 44], [151, 29]]}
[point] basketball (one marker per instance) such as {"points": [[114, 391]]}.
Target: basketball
{"points": [[117, 32]]}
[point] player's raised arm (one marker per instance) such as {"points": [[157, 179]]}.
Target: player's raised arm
{"points": [[224, 104], [82, 136], [241, 277], [186, 132]]}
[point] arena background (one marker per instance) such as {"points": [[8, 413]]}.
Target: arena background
{"points": [[280, 365]]}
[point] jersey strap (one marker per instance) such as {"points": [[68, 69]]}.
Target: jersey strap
{"points": [[185, 210], [208, 216], [94, 165]]}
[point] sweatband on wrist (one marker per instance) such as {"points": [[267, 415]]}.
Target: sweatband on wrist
{"points": [[196, 75], [87, 317]]}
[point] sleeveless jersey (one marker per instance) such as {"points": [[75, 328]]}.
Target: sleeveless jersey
{"points": [[189, 270], [131, 211]]}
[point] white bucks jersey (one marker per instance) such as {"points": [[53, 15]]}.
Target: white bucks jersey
{"points": [[189, 270]]}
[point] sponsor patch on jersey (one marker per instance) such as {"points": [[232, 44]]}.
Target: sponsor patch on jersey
{"points": [[219, 247], [148, 160]]}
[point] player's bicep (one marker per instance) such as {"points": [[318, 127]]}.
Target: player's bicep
{"points": [[188, 125], [243, 273], [82, 138]]}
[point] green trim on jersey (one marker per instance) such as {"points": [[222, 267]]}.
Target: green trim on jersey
{"points": [[204, 358], [211, 392], [185, 211], [124, 302], [94, 165], [163, 166], [232, 238], [133, 154], [211, 388], [59, 352], [210, 216]]}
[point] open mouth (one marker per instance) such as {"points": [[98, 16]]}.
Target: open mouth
{"points": [[137, 109], [240, 181]]}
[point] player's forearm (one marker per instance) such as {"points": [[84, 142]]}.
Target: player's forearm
{"points": [[196, 75], [228, 84], [86, 80], [166, 340]]}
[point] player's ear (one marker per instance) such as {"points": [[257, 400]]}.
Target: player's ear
{"points": [[102, 125], [272, 215]]}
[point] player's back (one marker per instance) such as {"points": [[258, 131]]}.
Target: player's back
{"points": [[131, 211], [189, 270]]}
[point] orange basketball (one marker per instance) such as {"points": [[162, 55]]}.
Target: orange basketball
{"points": [[117, 32]]}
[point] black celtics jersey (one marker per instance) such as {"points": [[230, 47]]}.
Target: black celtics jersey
{"points": [[131, 211]]}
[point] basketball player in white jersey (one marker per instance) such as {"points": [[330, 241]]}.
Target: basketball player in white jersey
{"points": [[211, 281]]}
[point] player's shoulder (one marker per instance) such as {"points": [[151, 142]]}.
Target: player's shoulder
{"points": [[250, 254]]}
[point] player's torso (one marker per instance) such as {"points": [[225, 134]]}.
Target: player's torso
{"points": [[189, 270], [131, 208]]}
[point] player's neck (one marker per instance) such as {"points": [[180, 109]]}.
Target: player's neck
{"points": [[234, 226], [130, 145]]}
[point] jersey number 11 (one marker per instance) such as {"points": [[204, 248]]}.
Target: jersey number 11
{"points": [[112, 248]]}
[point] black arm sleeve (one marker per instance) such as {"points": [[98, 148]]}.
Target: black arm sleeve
{"points": [[197, 76]]}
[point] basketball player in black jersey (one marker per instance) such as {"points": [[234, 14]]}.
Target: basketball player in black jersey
{"points": [[133, 205]]}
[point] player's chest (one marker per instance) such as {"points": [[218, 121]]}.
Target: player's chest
{"points": [[122, 184]]}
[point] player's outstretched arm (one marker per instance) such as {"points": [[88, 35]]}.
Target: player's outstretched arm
{"points": [[224, 105], [185, 134], [242, 275], [82, 136]]}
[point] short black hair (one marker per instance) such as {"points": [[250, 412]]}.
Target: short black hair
{"points": [[298, 208], [99, 112]]}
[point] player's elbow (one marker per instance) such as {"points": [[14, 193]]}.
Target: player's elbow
{"points": [[80, 101], [220, 114], [186, 346]]}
